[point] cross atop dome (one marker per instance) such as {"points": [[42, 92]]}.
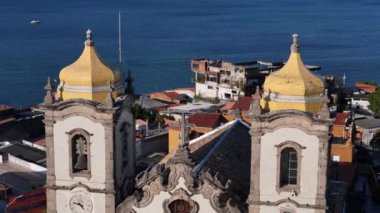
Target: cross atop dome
{"points": [[295, 48], [89, 41]]}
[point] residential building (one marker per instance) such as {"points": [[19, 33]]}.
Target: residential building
{"points": [[218, 79], [359, 101], [369, 128]]}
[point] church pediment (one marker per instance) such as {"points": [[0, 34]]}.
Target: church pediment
{"points": [[173, 186]]}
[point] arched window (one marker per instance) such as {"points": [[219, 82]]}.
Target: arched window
{"points": [[180, 206], [289, 156], [288, 167], [79, 151]]}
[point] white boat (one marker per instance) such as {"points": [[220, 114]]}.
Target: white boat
{"points": [[35, 21]]}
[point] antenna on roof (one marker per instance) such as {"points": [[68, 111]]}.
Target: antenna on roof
{"points": [[344, 79], [120, 52]]}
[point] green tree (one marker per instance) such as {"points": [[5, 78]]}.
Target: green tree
{"points": [[374, 102]]}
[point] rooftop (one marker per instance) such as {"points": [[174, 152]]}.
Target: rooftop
{"points": [[230, 141], [201, 119], [20, 178], [341, 118], [369, 123], [147, 103], [5, 107], [25, 152], [195, 107], [368, 88]]}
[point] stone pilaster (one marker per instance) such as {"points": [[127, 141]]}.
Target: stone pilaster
{"points": [[109, 154], [51, 201], [50, 166], [322, 170], [110, 203], [254, 195]]}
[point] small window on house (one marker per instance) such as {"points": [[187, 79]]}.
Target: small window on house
{"points": [[336, 158], [227, 95], [233, 91], [195, 66], [288, 167], [210, 87]]}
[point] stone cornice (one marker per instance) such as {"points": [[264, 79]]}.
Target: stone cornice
{"points": [[86, 187], [289, 200]]}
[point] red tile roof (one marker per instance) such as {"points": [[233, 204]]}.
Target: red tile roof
{"points": [[229, 106], [366, 87], [205, 119], [192, 89], [5, 107], [171, 94], [164, 96], [341, 118], [245, 102], [30, 201], [41, 142], [7, 120]]}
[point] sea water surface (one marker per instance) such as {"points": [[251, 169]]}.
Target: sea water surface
{"points": [[160, 37]]}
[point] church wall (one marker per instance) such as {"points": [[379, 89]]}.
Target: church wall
{"points": [[62, 151], [309, 165], [155, 205], [277, 209]]}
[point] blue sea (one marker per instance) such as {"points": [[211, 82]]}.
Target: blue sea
{"points": [[160, 37]]}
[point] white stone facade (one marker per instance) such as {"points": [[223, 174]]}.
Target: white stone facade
{"points": [[309, 165]]}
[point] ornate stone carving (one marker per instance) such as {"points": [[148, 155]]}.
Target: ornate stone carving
{"points": [[49, 98], [180, 194], [167, 177]]}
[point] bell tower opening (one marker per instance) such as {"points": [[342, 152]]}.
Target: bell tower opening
{"points": [[79, 153]]}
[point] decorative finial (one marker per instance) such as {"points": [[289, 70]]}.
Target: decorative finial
{"points": [[324, 112], [238, 110], [89, 41], [257, 94], [49, 99], [109, 102], [255, 109], [326, 93], [295, 48], [129, 80]]}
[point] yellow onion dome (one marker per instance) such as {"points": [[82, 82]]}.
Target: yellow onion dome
{"points": [[89, 77], [293, 86]]}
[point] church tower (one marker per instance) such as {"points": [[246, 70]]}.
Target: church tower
{"points": [[289, 141], [90, 137]]}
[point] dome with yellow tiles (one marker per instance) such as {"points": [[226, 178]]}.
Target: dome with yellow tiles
{"points": [[293, 86], [89, 77]]}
